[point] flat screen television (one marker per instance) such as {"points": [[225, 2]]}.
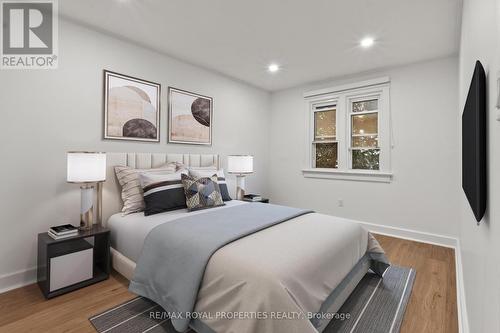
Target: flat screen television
{"points": [[474, 143]]}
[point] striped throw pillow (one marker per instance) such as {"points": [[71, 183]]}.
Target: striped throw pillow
{"points": [[132, 195], [162, 192]]}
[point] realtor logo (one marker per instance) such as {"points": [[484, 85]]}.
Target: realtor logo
{"points": [[29, 34]]}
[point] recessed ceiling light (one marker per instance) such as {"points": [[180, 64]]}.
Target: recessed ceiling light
{"points": [[273, 68], [367, 42]]}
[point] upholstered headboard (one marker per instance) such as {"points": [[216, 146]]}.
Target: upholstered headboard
{"points": [[112, 201]]}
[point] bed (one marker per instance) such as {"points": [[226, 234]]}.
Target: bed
{"points": [[294, 273]]}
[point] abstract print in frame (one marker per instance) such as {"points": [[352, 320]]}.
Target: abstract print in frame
{"points": [[190, 117], [131, 108]]}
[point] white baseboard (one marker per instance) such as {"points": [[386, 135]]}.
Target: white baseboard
{"points": [[417, 236], [463, 321], [434, 239], [17, 279]]}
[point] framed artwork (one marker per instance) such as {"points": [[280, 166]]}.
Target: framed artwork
{"points": [[190, 117], [131, 108]]}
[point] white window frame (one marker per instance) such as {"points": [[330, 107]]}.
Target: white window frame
{"points": [[312, 121], [343, 96]]}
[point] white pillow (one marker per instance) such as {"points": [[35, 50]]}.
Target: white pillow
{"points": [[201, 172]]}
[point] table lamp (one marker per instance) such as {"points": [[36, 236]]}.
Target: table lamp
{"points": [[87, 169], [241, 165]]}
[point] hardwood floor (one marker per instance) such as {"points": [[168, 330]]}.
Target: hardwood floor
{"points": [[432, 307], [26, 310], [433, 302]]}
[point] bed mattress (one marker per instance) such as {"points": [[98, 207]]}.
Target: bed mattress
{"points": [[129, 232]]}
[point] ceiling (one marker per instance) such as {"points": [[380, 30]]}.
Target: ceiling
{"points": [[310, 39]]}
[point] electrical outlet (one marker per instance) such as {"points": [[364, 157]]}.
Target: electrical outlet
{"points": [[341, 203]]}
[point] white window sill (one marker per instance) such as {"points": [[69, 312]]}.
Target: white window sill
{"points": [[358, 175]]}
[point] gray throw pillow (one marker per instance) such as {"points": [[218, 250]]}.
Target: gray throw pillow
{"points": [[199, 172]]}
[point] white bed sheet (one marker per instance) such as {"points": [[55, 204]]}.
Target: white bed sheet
{"points": [[129, 232]]}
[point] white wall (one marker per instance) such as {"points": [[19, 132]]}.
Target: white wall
{"points": [[481, 244], [45, 113], [423, 194]]}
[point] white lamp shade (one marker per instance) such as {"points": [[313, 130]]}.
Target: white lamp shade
{"points": [[240, 164], [86, 167]]}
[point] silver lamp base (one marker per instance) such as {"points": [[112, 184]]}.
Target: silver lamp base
{"points": [[240, 187], [87, 207]]}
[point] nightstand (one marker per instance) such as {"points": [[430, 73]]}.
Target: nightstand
{"points": [[263, 200], [68, 264]]}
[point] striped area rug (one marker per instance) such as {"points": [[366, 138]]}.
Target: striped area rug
{"points": [[376, 306]]}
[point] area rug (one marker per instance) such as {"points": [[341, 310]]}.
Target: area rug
{"points": [[376, 306]]}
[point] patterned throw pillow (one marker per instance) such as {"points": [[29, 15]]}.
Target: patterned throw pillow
{"points": [[132, 195], [198, 172], [201, 193]]}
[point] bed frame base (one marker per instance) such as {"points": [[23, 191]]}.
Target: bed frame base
{"points": [[122, 264]]}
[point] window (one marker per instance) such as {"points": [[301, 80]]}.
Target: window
{"points": [[325, 136], [350, 132], [365, 151]]}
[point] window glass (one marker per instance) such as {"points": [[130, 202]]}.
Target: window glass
{"points": [[362, 106], [326, 155], [365, 141], [365, 124], [367, 159], [325, 127]]}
